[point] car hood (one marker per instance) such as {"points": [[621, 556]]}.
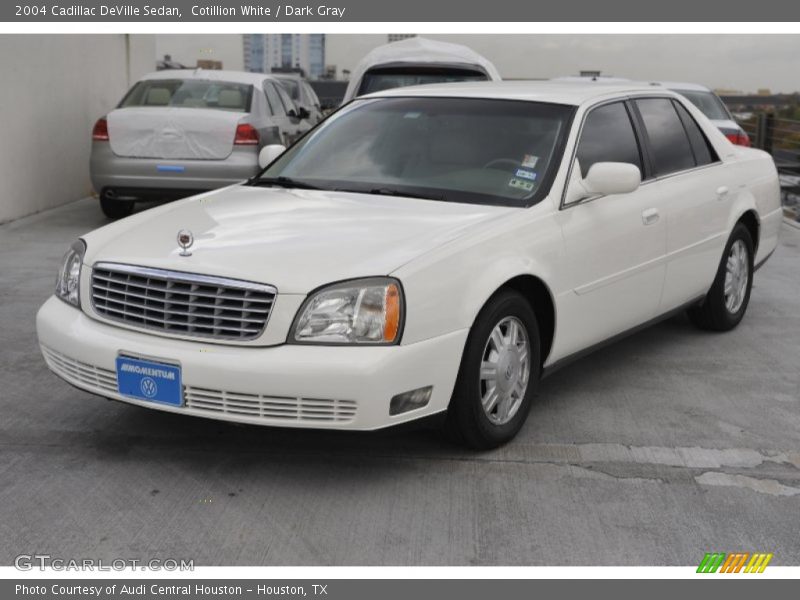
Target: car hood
{"points": [[295, 240]]}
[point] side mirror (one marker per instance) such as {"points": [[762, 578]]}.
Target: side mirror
{"points": [[302, 112], [270, 153], [292, 113], [605, 179]]}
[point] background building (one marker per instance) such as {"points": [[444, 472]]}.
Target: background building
{"points": [[193, 49], [265, 53]]}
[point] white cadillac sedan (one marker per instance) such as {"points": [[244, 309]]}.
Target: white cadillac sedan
{"points": [[430, 250]]}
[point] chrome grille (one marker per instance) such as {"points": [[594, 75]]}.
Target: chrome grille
{"points": [[270, 407], [181, 303]]}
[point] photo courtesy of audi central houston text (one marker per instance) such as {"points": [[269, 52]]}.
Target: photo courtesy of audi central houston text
{"points": [[341, 287]]}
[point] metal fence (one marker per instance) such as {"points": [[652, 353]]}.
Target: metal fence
{"points": [[781, 138]]}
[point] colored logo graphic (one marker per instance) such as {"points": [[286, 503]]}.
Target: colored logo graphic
{"points": [[148, 387], [736, 562]]}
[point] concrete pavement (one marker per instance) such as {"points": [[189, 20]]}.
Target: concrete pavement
{"points": [[653, 451]]}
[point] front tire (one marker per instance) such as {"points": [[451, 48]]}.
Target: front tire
{"points": [[726, 302], [498, 376]]}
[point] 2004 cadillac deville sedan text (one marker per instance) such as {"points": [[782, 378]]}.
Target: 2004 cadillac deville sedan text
{"points": [[423, 250]]}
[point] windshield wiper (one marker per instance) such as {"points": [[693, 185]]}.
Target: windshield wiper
{"points": [[284, 182], [392, 192]]}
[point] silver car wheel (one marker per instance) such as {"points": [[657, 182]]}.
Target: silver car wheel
{"points": [[505, 370], [737, 276]]}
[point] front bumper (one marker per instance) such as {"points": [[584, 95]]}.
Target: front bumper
{"points": [[322, 387]]}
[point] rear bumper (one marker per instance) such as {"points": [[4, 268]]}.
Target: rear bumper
{"points": [[320, 387], [109, 171]]}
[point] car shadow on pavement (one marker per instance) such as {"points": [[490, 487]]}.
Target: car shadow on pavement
{"points": [[135, 428]]}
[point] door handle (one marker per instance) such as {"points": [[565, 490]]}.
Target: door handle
{"points": [[722, 192], [650, 216]]}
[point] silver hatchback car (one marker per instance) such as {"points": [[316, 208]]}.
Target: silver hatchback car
{"points": [[181, 132]]}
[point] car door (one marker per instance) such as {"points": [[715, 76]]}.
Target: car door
{"points": [[282, 120], [614, 245], [313, 103], [296, 125], [263, 119], [694, 183]]}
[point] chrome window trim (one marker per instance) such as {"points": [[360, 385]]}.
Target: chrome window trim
{"points": [[563, 205]]}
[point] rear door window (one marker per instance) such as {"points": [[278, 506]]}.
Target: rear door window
{"points": [[288, 104], [608, 136], [669, 145], [274, 100]]}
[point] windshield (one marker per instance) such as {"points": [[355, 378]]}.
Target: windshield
{"points": [[454, 149], [708, 103], [387, 78], [190, 93]]}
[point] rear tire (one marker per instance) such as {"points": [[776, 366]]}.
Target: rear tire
{"points": [[726, 302], [498, 376], [116, 209]]}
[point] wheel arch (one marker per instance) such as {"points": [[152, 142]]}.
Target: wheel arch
{"points": [[539, 296], [749, 219], [745, 210]]}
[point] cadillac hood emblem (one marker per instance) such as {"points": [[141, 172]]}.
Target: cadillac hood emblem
{"points": [[185, 241]]}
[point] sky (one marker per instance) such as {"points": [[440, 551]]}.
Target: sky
{"points": [[738, 62]]}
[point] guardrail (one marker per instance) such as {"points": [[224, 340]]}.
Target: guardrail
{"points": [[781, 138]]}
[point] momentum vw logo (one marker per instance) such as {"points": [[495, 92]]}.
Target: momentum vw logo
{"points": [[148, 387], [735, 562]]}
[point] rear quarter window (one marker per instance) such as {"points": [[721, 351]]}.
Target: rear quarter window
{"points": [[703, 151], [274, 101]]}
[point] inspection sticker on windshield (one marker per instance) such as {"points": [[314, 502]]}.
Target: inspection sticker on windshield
{"points": [[521, 184], [526, 174], [529, 161]]}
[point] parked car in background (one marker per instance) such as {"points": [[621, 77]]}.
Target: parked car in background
{"points": [[417, 61], [712, 107], [181, 132], [428, 250], [302, 94]]}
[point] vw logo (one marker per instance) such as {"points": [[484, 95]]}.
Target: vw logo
{"points": [[148, 387], [185, 241]]}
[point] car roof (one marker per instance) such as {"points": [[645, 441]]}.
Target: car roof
{"points": [[209, 74], [572, 93], [675, 85], [295, 76]]}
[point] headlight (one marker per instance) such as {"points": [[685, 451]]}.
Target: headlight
{"points": [[363, 311], [69, 276]]}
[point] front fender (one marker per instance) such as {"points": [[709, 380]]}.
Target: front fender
{"points": [[446, 289]]}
